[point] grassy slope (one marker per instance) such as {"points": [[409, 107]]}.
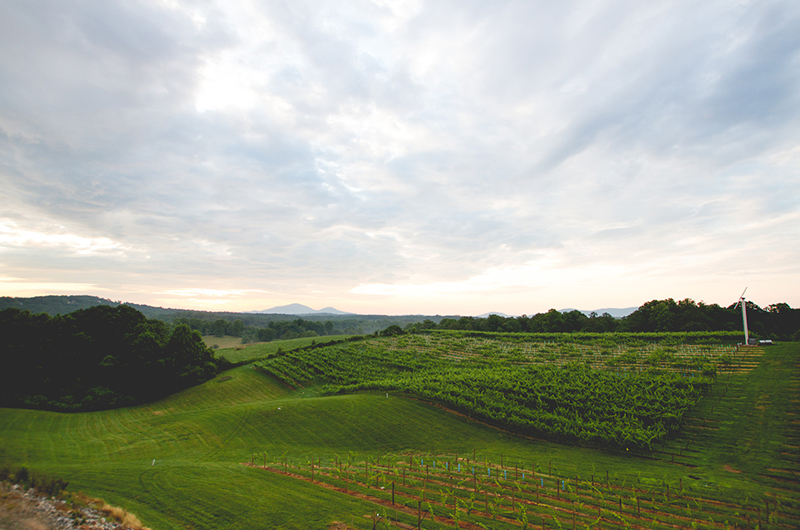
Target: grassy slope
{"points": [[198, 438], [226, 341], [262, 349]]}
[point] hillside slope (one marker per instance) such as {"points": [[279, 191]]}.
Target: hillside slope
{"points": [[176, 463]]}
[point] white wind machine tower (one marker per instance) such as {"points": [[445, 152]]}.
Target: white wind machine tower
{"points": [[744, 317]]}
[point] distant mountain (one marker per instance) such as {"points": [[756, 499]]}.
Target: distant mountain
{"points": [[299, 309], [487, 315], [616, 312], [64, 304]]}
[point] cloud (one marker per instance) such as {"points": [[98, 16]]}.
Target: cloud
{"points": [[365, 147]]}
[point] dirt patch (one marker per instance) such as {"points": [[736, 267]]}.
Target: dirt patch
{"points": [[22, 509], [337, 525], [730, 469]]}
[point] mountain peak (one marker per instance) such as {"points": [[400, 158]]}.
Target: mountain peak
{"points": [[300, 309]]}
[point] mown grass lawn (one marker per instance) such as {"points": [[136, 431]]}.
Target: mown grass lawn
{"points": [[200, 437]]}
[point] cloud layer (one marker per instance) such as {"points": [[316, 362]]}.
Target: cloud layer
{"points": [[395, 157]]}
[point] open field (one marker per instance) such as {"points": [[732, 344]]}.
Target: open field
{"points": [[248, 352], [226, 341], [736, 455]]}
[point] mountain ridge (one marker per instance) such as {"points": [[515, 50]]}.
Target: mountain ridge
{"points": [[616, 312], [299, 309]]}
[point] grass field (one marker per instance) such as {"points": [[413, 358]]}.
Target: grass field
{"points": [[248, 352], [740, 447], [226, 341]]}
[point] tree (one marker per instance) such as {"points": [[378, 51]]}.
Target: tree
{"points": [[219, 326], [192, 361], [392, 330]]}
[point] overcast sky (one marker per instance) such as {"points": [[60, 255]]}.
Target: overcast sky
{"points": [[450, 157]]}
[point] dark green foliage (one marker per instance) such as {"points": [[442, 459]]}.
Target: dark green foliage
{"points": [[96, 358], [777, 321], [391, 331]]}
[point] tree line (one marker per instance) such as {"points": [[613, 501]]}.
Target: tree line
{"points": [[776, 321], [97, 358], [275, 330]]}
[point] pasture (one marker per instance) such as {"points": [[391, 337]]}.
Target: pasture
{"points": [[734, 458], [226, 341], [248, 352]]}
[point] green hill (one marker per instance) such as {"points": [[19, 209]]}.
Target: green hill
{"points": [[738, 449]]}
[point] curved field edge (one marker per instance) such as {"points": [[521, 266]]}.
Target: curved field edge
{"points": [[200, 436]]}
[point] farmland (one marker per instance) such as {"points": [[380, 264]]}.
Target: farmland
{"points": [[627, 394], [733, 458], [237, 352]]}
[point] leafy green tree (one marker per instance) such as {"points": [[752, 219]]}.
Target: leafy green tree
{"points": [[192, 360], [392, 330], [219, 327]]}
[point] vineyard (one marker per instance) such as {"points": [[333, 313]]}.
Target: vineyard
{"points": [[631, 393], [463, 492], [326, 447]]}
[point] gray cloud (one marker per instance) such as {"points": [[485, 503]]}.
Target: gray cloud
{"points": [[295, 147]]}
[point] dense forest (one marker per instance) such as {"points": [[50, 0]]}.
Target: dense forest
{"points": [[97, 358], [776, 321]]}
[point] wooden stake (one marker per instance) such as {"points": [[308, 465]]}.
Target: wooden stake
{"points": [[392, 493]]}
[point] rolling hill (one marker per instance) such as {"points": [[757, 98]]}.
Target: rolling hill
{"points": [[177, 463]]}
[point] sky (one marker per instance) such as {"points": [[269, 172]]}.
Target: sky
{"points": [[409, 157]]}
